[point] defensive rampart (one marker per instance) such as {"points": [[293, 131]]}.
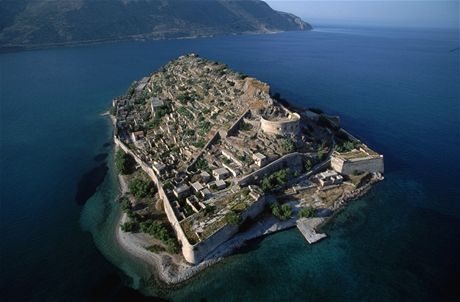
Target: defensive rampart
{"points": [[197, 252], [292, 160], [372, 164], [290, 125]]}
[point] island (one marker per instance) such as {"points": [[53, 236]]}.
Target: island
{"points": [[209, 159]]}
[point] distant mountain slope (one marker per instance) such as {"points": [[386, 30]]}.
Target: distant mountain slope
{"points": [[26, 23]]}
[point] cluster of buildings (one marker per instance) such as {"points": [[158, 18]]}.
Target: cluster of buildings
{"points": [[201, 128]]}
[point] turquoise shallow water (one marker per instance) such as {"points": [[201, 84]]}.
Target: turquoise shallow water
{"points": [[396, 89]]}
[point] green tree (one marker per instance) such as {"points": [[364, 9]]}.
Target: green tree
{"points": [[308, 165], [141, 188], [286, 211], [159, 231], [346, 146], [245, 126], [307, 212], [123, 162], [266, 184], [129, 226], [288, 145], [232, 217], [282, 212], [201, 164], [125, 204]]}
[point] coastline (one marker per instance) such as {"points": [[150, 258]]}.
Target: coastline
{"points": [[19, 48], [171, 271]]}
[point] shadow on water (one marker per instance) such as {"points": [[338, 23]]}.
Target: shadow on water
{"points": [[249, 246], [101, 156], [106, 145], [88, 183], [113, 289]]}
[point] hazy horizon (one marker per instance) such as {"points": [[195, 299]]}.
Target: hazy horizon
{"points": [[393, 13]]}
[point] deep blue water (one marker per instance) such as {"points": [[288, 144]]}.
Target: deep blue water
{"points": [[396, 89]]}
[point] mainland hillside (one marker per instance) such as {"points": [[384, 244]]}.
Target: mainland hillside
{"points": [[35, 23]]}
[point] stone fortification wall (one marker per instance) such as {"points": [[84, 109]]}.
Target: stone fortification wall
{"points": [[281, 127], [292, 160], [193, 253], [208, 144], [187, 249], [205, 247], [232, 130], [370, 164], [255, 209]]}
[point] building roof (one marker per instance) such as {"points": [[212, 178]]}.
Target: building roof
{"points": [[182, 188], [259, 156], [220, 171], [197, 186], [326, 174], [205, 192], [204, 174], [159, 166], [156, 102], [220, 183]]}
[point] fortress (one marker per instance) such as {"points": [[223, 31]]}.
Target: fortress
{"points": [[289, 125], [210, 139]]}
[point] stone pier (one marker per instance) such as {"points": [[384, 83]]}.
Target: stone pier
{"points": [[307, 227]]}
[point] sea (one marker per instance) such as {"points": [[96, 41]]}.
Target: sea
{"points": [[396, 89]]}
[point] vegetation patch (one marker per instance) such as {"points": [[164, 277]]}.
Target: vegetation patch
{"points": [[232, 217], [124, 163], [282, 212], [141, 188], [275, 180], [288, 145], [307, 212], [245, 126], [346, 146]]}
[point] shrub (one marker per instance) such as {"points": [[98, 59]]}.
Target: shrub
{"points": [[201, 164], [346, 146], [308, 165], [288, 145], [123, 162], [159, 231], [125, 204], [245, 126], [167, 185], [275, 180], [204, 127], [282, 212], [184, 98], [185, 112], [141, 188], [189, 132], [232, 218], [129, 226], [307, 212], [199, 144]]}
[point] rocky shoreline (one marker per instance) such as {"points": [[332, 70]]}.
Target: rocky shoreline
{"points": [[171, 271]]}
